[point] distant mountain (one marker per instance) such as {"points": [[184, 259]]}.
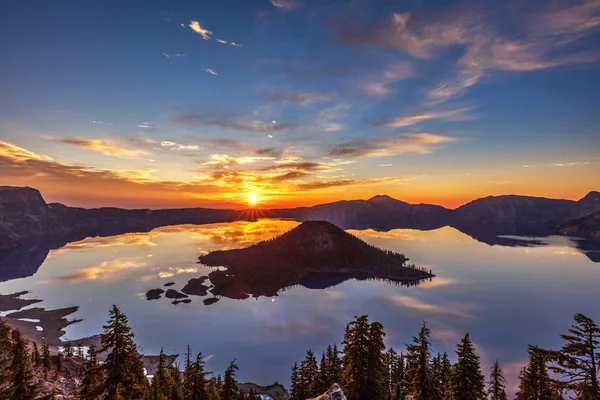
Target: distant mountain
{"points": [[312, 248]]}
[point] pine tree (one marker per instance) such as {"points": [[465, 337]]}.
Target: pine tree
{"points": [[535, 383], [421, 384], [578, 361], [497, 384], [162, 385], [176, 384], [6, 349], [364, 366], [195, 383], [123, 365], [229, 391], [398, 378], [321, 386], [295, 383], [309, 376], [334, 363], [46, 360], [68, 350], [35, 356], [468, 381], [214, 388], [391, 360], [22, 386], [93, 377]]}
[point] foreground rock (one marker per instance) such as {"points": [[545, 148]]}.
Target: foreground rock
{"points": [[334, 393], [154, 294], [174, 294], [276, 390], [312, 248]]}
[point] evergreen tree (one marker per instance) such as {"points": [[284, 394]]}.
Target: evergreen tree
{"points": [[295, 383], [195, 383], [468, 382], [46, 360], [309, 376], [578, 361], [398, 379], [391, 360], [59, 362], [334, 365], [36, 359], [214, 388], [22, 386], [364, 364], [176, 384], [68, 350], [124, 368], [93, 377], [321, 386], [535, 383], [497, 384], [229, 391], [421, 384], [6, 349], [162, 385]]}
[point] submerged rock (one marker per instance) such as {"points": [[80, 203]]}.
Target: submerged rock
{"points": [[196, 287], [185, 301], [174, 294], [212, 300], [169, 284], [154, 294]]}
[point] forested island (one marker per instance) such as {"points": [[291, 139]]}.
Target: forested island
{"points": [[363, 368]]}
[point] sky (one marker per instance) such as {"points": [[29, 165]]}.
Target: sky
{"points": [[280, 103]]}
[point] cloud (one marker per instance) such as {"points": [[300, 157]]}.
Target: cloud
{"points": [[333, 128], [382, 146], [205, 33], [174, 55], [224, 160], [385, 165], [453, 309], [146, 125], [222, 41], [302, 98], [178, 147], [325, 184], [236, 44], [235, 122], [377, 90], [570, 164], [210, 71], [284, 4], [412, 119], [106, 147], [107, 270], [533, 38]]}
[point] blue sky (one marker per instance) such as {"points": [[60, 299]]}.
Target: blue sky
{"points": [[149, 103]]}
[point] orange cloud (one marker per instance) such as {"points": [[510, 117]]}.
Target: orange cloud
{"points": [[106, 147]]}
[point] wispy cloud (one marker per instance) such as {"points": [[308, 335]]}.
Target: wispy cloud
{"points": [[222, 41], [412, 119], [382, 146], [178, 146], [146, 125], [302, 98], [205, 33], [285, 4], [234, 122], [107, 147], [570, 164], [211, 71], [379, 85], [174, 55], [236, 44]]}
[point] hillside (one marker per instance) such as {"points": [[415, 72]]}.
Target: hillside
{"points": [[586, 227]]}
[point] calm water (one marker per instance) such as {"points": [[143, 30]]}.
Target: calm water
{"points": [[506, 297]]}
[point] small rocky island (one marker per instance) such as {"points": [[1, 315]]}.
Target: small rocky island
{"points": [[313, 248]]}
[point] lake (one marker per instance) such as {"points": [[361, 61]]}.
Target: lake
{"points": [[506, 296]]}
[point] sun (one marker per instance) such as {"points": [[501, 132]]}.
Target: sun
{"points": [[252, 199]]}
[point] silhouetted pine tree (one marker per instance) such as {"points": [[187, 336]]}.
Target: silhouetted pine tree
{"points": [[334, 364], [497, 384], [229, 391], [195, 383], [176, 384], [46, 360], [295, 384], [5, 358], [309, 376], [162, 384], [421, 384], [22, 386], [214, 388], [578, 361], [535, 383], [321, 386], [391, 359], [36, 360], [364, 366], [93, 377], [468, 382], [124, 368]]}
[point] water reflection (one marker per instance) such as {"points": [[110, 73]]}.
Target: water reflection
{"points": [[506, 296]]}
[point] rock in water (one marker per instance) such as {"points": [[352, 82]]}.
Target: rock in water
{"points": [[174, 294], [154, 294], [334, 393]]}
